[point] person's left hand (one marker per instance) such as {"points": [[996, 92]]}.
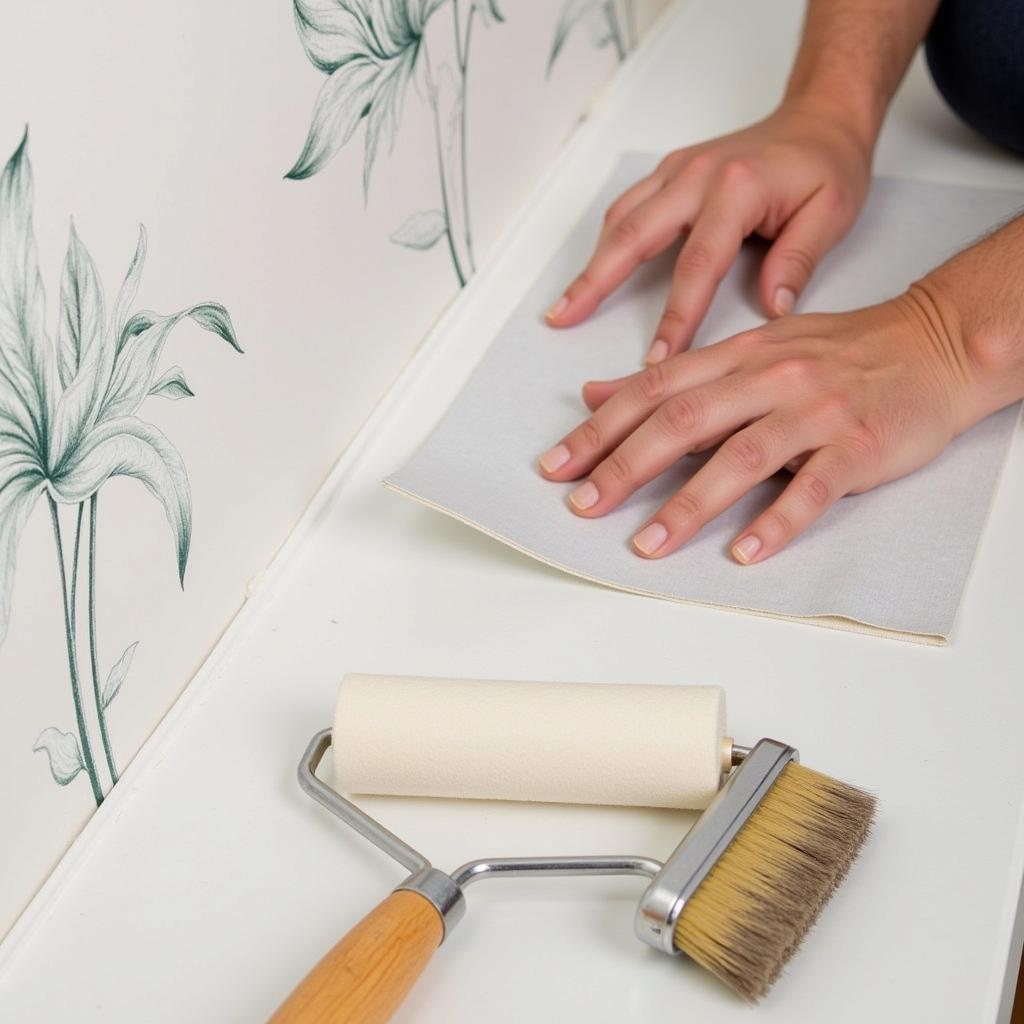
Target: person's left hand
{"points": [[846, 401]]}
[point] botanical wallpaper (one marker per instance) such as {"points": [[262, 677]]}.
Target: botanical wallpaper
{"points": [[372, 52], [407, 133], [609, 22], [68, 422]]}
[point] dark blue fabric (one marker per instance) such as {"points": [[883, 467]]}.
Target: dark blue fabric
{"points": [[975, 52]]}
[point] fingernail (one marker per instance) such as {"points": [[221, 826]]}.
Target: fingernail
{"points": [[554, 459], [657, 352], [650, 539], [557, 309], [784, 301], [585, 496], [745, 548]]}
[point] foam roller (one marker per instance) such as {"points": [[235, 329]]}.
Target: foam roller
{"points": [[594, 743]]}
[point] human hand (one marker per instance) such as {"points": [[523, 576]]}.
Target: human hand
{"points": [[847, 401], [798, 177]]}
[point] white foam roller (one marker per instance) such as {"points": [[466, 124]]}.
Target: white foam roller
{"points": [[641, 745]]}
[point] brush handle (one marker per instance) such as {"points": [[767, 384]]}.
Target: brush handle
{"points": [[365, 977]]}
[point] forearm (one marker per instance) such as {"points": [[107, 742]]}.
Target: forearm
{"points": [[853, 55], [973, 309]]}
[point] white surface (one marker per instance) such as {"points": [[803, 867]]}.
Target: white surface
{"points": [[209, 884], [637, 746], [865, 563]]}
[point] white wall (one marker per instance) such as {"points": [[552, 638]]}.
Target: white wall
{"points": [[185, 117]]}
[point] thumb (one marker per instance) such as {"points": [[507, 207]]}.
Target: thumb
{"points": [[796, 252]]}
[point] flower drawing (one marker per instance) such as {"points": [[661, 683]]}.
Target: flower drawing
{"points": [[370, 50], [68, 423], [608, 21]]}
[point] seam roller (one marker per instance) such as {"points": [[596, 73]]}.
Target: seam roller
{"points": [[736, 895]]}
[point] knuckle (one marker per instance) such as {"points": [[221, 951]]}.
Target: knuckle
{"points": [[745, 453], [695, 258], [683, 507], [584, 282], [680, 415], [737, 174], [835, 408], [615, 212], [778, 523], [746, 342], [863, 443], [839, 201], [590, 433], [796, 371], [624, 234], [752, 338], [667, 163], [673, 320], [817, 489], [651, 386], [701, 163], [776, 432], [618, 468], [800, 258]]}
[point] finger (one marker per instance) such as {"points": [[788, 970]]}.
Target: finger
{"points": [[621, 413], [812, 230], [639, 235], [597, 392], [731, 213], [682, 423], [826, 476], [744, 460], [644, 189]]}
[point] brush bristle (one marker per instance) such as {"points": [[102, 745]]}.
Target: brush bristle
{"points": [[752, 911]]}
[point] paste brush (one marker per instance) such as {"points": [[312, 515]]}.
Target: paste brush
{"points": [[737, 895], [756, 883]]}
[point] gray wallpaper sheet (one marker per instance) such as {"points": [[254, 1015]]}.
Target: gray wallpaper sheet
{"points": [[893, 561]]}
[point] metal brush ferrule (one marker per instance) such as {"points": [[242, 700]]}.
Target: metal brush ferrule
{"points": [[696, 855]]}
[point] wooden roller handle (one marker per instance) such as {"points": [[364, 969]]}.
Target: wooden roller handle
{"points": [[365, 977]]}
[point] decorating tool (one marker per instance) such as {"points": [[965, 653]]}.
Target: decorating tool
{"points": [[737, 895]]}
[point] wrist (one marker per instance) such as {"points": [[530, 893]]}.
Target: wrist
{"points": [[978, 366], [859, 118]]}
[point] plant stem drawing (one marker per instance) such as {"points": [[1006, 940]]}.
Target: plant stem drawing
{"points": [[609, 21], [67, 425], [370, 51]]}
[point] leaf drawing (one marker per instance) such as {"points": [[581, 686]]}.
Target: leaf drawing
{"points": [[68, 424], [81, 310], [62, 750], [117, 675], [605, 22], [370, 51], [421, 230], [172, 385]]}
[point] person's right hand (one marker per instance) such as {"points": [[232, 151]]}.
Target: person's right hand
{"points": [[798, 178]]}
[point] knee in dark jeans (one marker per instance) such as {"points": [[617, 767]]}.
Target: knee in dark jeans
{"points": [[975, 52]]}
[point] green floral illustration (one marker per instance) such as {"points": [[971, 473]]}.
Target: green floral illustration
{"points": [[68, 424], [607, 20], [370, 51]]}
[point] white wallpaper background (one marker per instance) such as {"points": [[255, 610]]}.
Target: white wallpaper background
{"points": [[185, 117]]}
